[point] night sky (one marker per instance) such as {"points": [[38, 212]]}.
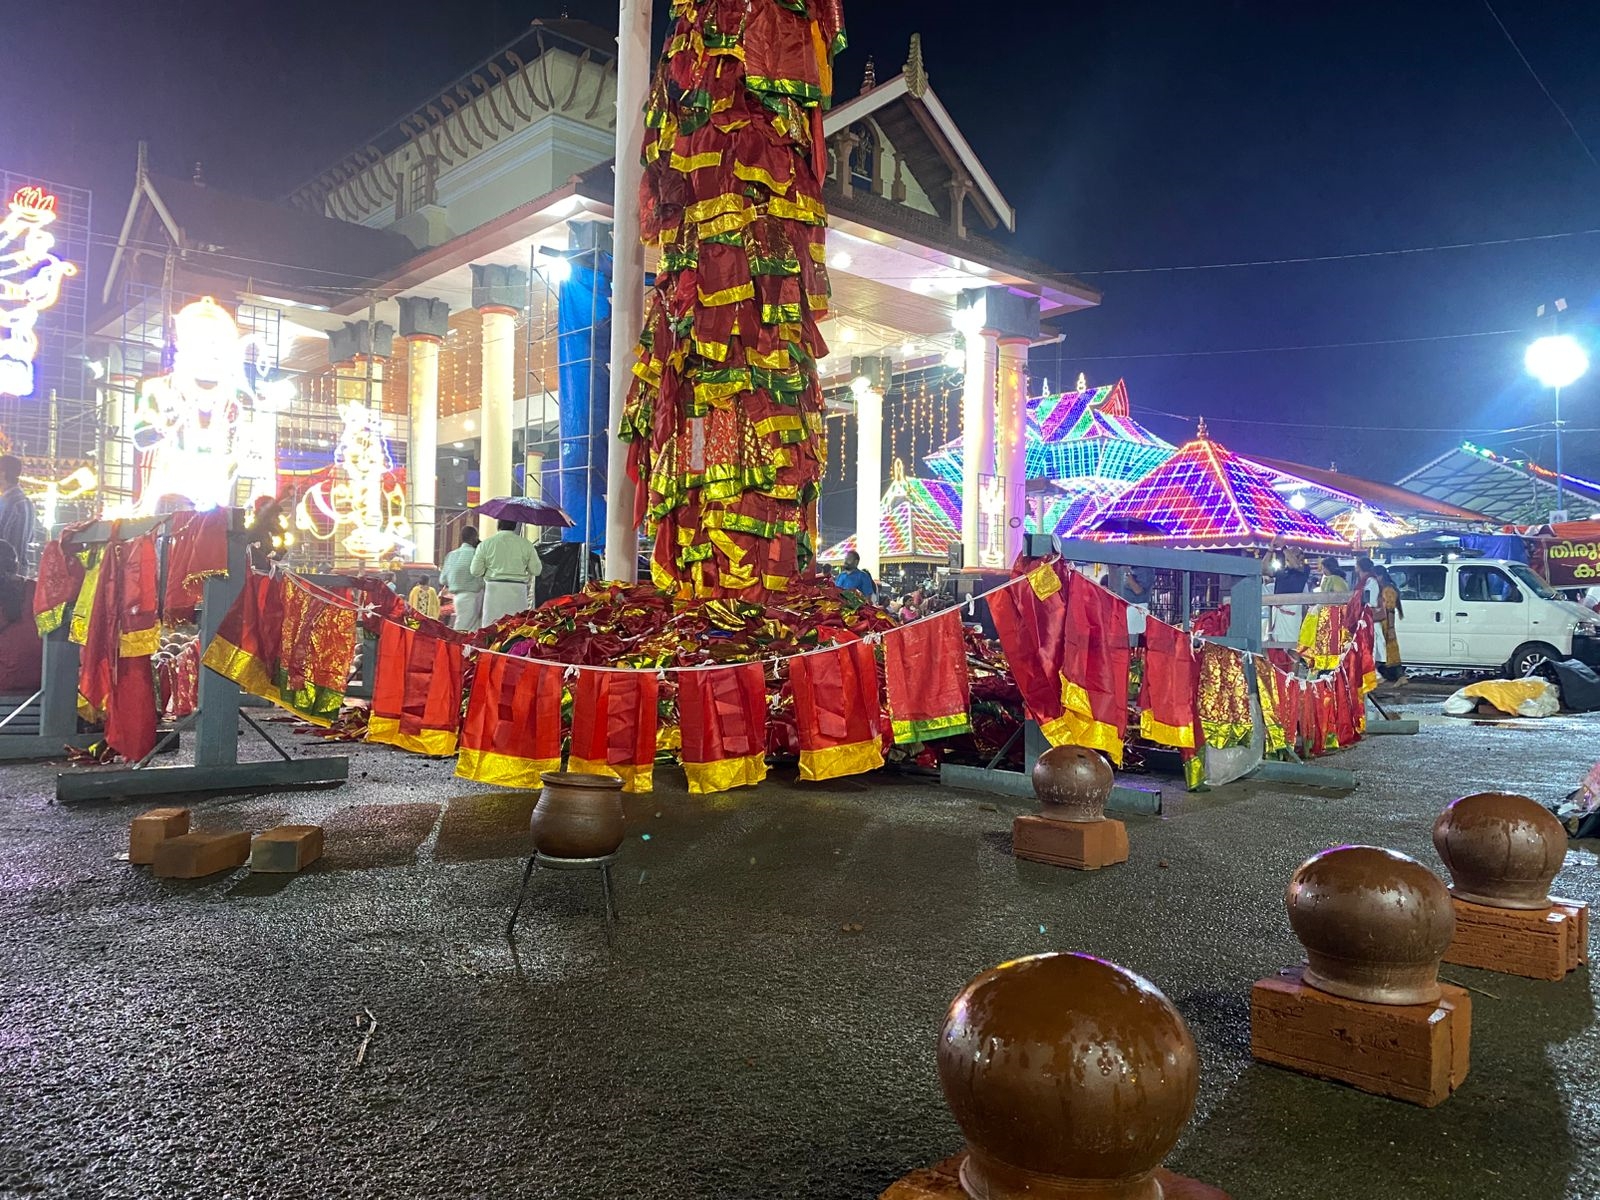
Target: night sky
{"points": [[1128, 133]]}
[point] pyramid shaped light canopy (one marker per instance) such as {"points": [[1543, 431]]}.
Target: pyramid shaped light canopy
{"points": [[1205, 497]]}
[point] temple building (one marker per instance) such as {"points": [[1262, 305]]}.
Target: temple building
{"points": [[427, 321]]}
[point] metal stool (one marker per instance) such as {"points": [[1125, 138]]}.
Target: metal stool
{"points": [[603, 865]]}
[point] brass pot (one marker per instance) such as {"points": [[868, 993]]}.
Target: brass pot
{"points": [[1069, 1076], [1374, 924], [578, 816], [1072, 783], [1501, 850]]}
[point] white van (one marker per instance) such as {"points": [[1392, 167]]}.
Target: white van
{"points": [[1487, 614]]}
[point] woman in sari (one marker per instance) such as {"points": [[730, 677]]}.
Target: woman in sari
{"points": [[1386, 609]]}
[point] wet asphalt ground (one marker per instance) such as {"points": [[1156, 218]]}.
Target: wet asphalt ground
{"points": [[200, 1039]]}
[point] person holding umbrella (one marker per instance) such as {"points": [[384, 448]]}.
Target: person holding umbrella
{"points": [[506, 562]]}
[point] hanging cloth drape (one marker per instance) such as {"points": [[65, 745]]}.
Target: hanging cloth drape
{"points": [[1167, 691], [722, 716], [928, 683], [614, 726], [1095, 668], [512, 730], [838, 713], [416, 692]]}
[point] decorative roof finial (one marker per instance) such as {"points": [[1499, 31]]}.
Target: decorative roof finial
{"points": [[1083, 382], [916, 74], [199, 176], [1201, 432], [869, 79]]}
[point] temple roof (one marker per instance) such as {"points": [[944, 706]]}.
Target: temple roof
{"points": [[1333, 492], [1081, 440], [921, 520], [1205, 496], [241, 238]]}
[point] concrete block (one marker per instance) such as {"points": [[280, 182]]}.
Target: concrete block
{"points": [[194, 855], [286, 849], [1413, 1052], [151, 828]]}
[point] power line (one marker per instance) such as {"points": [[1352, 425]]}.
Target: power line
{"points": [[1553, 102], [1347, 428], [1439, 337]]}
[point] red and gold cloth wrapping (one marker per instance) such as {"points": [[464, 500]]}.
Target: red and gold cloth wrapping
{"points": [[287, 643], [724, 415], [197, 551], [60, 580], [1224, 703], [722, 715], [1367, 666], [1030, 615], [1275, 720], [1168, 691], [1322, 636], [1349, 704], [116, 683], [928, 684], [416, 692], [838, 712], [1094, 680], [614, 726], [512, 730]]}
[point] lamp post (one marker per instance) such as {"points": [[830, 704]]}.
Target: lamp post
{"points": [[1556, 361]]}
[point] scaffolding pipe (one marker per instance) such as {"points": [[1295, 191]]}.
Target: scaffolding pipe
{"points": [[627, 280]]}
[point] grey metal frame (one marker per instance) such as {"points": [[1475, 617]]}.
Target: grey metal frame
{"points": [[602, 864]]}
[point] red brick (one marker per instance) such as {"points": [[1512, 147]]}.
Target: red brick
{"points": [[1082, 845], [1413, 1052], [150, 829], [286, 849], [1536, 943], [195, 855]]}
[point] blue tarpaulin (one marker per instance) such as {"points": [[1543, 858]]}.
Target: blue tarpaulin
{"points": [[584, 329]]}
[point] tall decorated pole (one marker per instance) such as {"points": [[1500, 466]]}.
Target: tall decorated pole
{"points": [[724, 418]]}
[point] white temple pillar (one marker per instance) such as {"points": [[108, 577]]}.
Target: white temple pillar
{"points": [[627, 282], [494, 419], [870, 378], [1011, 440], [423, 323], [422, 446], [499, 294], [977, 435]]}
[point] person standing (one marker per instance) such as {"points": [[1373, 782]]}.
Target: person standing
{"points": [[854, 579], [424, 598], [16, 510], [465, 588], [1333, 579], [507, 563], [21, 650], [1383, 595]]}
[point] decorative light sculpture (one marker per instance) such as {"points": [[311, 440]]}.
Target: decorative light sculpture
{"points": [[363, 504], [203, 426], [30, 283]]}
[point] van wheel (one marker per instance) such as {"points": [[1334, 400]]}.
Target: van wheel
{"points": [[1531, 658]]}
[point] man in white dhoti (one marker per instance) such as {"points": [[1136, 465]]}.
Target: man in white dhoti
{"points": [[506, 562]]}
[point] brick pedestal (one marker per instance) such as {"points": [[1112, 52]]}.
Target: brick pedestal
{"points": [[150, 829], [286, 849], [1537, 943], [1082, 845], [942, 1181], [195, 855], [1413, 1052]]}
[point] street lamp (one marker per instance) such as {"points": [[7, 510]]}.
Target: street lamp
{"points": [[1556, 361]]}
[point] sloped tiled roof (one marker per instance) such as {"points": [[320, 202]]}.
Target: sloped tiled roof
{"points": [[921, 520]]}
